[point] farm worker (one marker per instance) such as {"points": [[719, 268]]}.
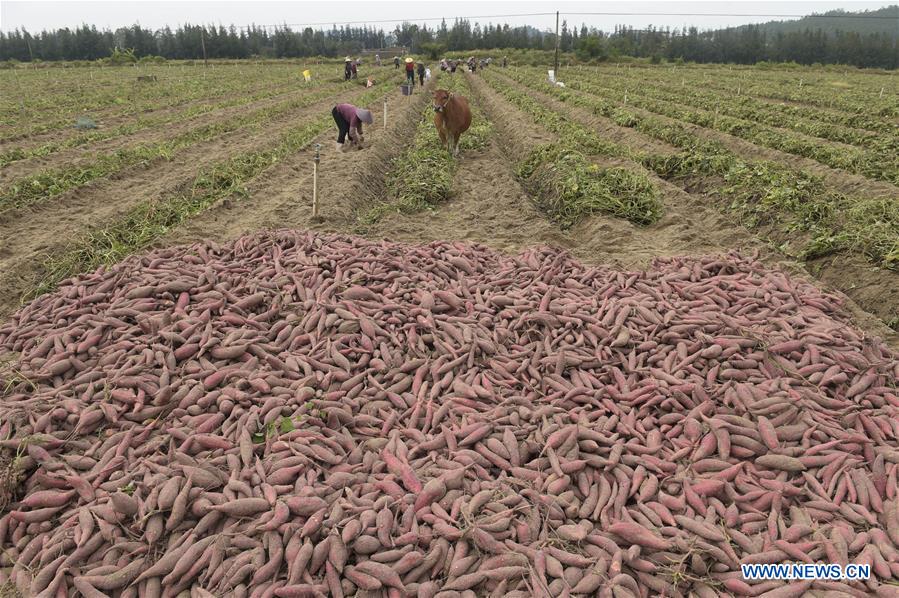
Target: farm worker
{"points": [[349, 121], [347, 68], [505, 62], [427, 74], [421, 73], [410, 71], [354, 68], [453, 65], [378, 59], [396, 62]]}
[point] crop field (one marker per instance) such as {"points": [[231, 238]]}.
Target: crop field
{"points": [[642, 330]]}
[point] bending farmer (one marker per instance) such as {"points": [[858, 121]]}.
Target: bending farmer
{"points": [[349, 121]]}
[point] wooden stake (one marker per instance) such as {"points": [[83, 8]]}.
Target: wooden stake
{"points": [[881, 92], [385, 115], [556, 62], [203, 44], [315, 161]]}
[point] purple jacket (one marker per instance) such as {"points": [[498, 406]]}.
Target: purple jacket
{"points": [[348, 112]]}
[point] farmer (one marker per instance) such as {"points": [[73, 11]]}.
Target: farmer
{"points": [[349, 121], [505, 62], [421, 74], [378, 59], [396, 62], [453, 65], [410, 71], [347, 69], [355, 68]]}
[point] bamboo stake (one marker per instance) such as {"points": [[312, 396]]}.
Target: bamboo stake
{"points": [[315, 161]]}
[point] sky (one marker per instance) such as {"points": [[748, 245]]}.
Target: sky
{"points": [[38, 15]]}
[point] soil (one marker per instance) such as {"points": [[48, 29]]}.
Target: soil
{"points": [[839, 180], [88, 152], [112, 116]]}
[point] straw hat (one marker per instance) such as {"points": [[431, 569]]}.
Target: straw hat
{"points": [[409, 60], [347, 59], [364, 115]]}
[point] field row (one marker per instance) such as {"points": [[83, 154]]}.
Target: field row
{"points": [[116, 92], [761, 192], [810, 121], [46, 184], [880, 162], [855, 92]]}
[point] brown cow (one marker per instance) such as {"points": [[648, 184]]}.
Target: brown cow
{"points": [[452, 118]]}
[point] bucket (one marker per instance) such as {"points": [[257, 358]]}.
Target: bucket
{"points": [[407, 89], [307, 74]]}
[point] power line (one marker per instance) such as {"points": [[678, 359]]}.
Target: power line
{"points": [[721, 14]]}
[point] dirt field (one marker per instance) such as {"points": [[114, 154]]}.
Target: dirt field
{"points": [[488, 201]]}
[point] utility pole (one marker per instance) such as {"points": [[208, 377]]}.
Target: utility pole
{"points": [[557, 46], [28, 43], [203, 44]]}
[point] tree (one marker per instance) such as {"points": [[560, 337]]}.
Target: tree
{"points": [[860, 42], [432, 50], [591, 48]]}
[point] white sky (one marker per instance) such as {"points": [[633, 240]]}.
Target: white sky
{"points": [[37, 15]]}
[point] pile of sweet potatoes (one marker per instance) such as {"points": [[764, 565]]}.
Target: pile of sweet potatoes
{"points": [[307, 415]]}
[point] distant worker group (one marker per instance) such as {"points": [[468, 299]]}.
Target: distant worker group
{"points": [[473, 64], [452, 115]]}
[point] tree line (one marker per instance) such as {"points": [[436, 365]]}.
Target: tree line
{"points": [[744, 45]]}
